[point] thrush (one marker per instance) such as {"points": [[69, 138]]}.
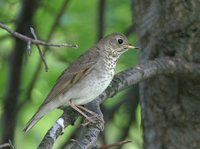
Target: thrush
{"points": [[86, 78]]}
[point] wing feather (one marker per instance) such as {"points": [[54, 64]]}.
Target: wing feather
{"points": [[73, 74]]}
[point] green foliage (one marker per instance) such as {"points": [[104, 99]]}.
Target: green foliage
{"points": [[78, 25]]}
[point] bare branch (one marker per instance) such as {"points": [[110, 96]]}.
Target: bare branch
{"points": [[68, 117], [39, 50], [114, 144], [89, 134], [141, 72], [124, 79], [35, 41], [5, 145], [29, 48]]}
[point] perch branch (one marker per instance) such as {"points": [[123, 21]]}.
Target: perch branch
{"points": [[124, 79], [91, 132], [34, 41], [68, 117]]}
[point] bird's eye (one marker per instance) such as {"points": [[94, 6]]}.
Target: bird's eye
{"points": [[120, 41]]}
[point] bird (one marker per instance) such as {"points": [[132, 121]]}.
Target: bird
{"points": [[86, 78]]}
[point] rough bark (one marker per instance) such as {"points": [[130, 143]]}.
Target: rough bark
{"points": [[170, 104]]}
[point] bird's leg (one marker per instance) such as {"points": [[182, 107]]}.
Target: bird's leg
{"points": [[94, 115], [78, 109], [88, 111]]}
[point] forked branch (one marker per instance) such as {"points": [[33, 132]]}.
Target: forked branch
{"points": [[35, 41]]}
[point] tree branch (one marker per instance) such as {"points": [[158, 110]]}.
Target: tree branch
{"points": [[39, 50], [89, 134], [9, 144], [122, 80], [114, 144], [68, 117], [35, 41]]}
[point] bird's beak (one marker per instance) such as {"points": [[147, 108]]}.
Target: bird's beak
{"points": [[130, 46]]}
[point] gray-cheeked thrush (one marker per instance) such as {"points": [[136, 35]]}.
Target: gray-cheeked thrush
{"points": [[86, 78]]}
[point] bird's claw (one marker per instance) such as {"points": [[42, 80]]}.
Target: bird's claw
{"points": [[92, 119]]}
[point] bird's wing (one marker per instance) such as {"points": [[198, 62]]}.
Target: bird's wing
{"points": [[74, 73], [70, 76]]}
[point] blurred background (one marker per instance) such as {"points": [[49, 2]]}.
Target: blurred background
{"points": [[24, 83]]}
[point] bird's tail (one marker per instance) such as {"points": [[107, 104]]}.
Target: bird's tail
{"points": [[32, 121], [44, 109]]}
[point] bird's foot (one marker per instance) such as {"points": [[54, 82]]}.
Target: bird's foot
{"points": [[89, 119], [93, 119]]}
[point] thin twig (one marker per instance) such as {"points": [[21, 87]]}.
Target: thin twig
{"points": [[28, 49], [114, 144], [35, 41], [9, 144], [39, 50]]}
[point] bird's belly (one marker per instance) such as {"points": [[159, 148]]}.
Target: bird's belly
{"points": [[90, 87]]}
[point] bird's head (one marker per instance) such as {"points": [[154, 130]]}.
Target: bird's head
{"points": [[115, 44]]}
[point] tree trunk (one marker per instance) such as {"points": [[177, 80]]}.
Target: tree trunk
{"points": [[170, 104]]}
